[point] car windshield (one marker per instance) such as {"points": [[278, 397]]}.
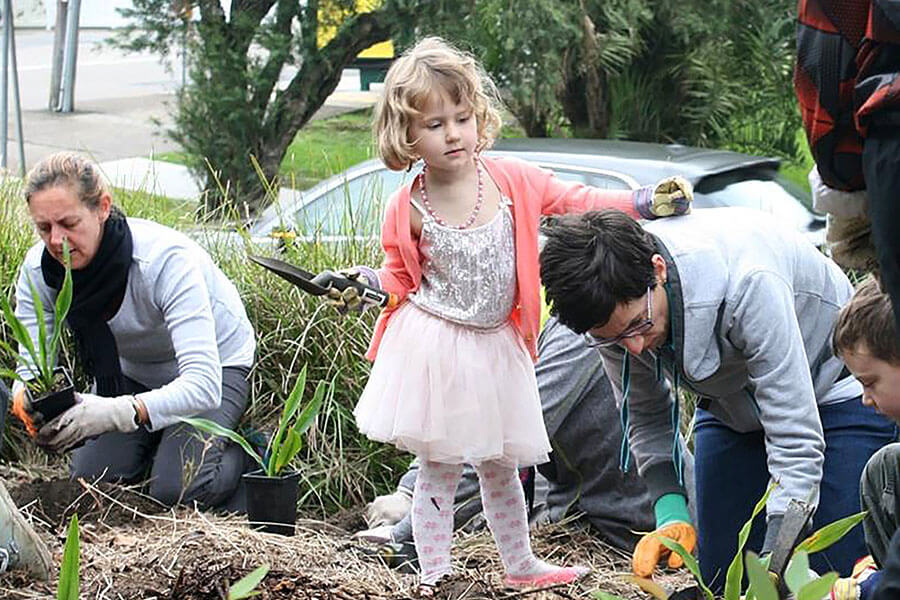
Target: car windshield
{"points": [[759, 190]]}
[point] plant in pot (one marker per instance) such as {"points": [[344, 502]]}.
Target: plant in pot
{"points": [[49, 387], [272, 490]]}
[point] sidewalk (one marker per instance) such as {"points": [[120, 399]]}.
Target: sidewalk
{"points": [[123, 105]]}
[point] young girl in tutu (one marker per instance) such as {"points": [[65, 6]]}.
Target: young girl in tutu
{"points": [[453, 379]]}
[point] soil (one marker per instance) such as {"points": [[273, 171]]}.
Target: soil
{"points": [[132, 548], [54, 501]]}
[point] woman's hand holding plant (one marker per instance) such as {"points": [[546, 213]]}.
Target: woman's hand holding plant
{"points": [[91, 416]]}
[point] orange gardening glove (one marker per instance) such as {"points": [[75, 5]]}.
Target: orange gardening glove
{"points": [[650, 550], [22, 409], [672, 521]]}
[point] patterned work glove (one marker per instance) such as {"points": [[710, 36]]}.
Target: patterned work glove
{"points": [[672, 521], [859, 585], [90, 417], [672, 196], [349, 299]]}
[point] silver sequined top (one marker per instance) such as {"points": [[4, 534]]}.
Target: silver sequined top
{"points": [[468, 275]]}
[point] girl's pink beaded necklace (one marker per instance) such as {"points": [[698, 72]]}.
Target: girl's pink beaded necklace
{"points": [[479, 200]]}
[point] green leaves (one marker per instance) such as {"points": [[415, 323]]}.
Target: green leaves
{"points": [[689, 561], [736, 569], [69, 578], [831, 533], [761, 586], [246, 586], [802, 583], [213, 428], [288, 438], [39, 359]]}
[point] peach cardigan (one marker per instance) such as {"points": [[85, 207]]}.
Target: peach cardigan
{"points": [[534, 192]]}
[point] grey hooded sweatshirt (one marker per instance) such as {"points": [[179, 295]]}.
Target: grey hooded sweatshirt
{"points": [[752, 304]]}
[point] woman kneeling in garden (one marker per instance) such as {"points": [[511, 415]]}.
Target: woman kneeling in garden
{"points": [[158, 327]]}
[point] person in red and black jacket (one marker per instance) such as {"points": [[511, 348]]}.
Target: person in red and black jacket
{"points": [[847, 81]]}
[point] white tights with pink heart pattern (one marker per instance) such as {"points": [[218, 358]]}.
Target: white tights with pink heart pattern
{"points": [[504, 507]]}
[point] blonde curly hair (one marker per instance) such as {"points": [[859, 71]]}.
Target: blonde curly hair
{"points": [[432, 65]]}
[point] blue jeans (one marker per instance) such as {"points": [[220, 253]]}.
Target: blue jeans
{"points": [[731, 477]]}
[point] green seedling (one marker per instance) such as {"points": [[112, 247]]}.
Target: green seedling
{"points": [[292, 424], [798, 578], [39, 360], [69, 578], [246, 586]]}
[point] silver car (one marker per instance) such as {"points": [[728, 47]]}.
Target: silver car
{"points": [[350, 204]]}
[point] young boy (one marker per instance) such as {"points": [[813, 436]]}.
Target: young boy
{"points": [[864, 336]]}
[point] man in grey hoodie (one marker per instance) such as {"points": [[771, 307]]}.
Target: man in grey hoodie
{"points": [[737, 309]]}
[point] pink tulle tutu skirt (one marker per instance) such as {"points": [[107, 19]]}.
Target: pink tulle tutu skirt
{"points": [[453, 394]]}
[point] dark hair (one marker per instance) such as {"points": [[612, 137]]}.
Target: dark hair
{"points": [[868, 318], [591, 263]]}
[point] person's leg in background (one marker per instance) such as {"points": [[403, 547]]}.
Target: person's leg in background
{"points": [[853, 433], [881, 166], [187, 468], [731, 476]]}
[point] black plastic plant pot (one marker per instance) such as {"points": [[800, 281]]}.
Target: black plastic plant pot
{"points": [[57, 402], [272, 501]]}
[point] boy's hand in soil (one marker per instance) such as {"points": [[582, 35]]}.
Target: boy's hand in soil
{"points": [[672, 521], [90, 417]]}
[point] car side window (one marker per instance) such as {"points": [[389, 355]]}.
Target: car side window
{"points": [[606, 181], [352, 208]]}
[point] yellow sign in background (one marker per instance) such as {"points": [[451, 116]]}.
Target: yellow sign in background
{"points": [[330, 15]]}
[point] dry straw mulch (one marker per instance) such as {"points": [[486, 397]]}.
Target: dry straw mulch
{"points": [[191, 555]]}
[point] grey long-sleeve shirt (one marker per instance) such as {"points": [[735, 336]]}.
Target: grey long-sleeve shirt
{"points": [[751, 308], [180, 322]]}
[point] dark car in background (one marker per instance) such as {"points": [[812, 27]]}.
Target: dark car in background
{"points": [[350, 204]]}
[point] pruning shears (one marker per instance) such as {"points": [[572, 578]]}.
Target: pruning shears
{"points": [[319, 285]]}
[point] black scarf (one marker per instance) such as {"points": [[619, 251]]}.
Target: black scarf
{"points": [[97, 293]]}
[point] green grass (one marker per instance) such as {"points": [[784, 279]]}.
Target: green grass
{"points": [[327, 146], [797, 171]]}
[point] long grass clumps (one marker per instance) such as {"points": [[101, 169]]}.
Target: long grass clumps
{"points": [[340, 467]]}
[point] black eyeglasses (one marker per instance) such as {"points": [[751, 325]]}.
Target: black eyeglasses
{"points": [[633, 331]]}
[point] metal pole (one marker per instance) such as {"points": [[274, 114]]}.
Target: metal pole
{"points": [[56, 66], [15, 79], [4, 86], [71, 55]]}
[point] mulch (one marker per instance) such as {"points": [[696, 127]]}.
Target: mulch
{"points": [[132, 548]]}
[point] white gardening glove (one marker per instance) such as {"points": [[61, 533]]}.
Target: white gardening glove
{"points": [[389, 509], [91, 416], [382, 514]]}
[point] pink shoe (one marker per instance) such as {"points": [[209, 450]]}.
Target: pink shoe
{"points": [[563, 575]]}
